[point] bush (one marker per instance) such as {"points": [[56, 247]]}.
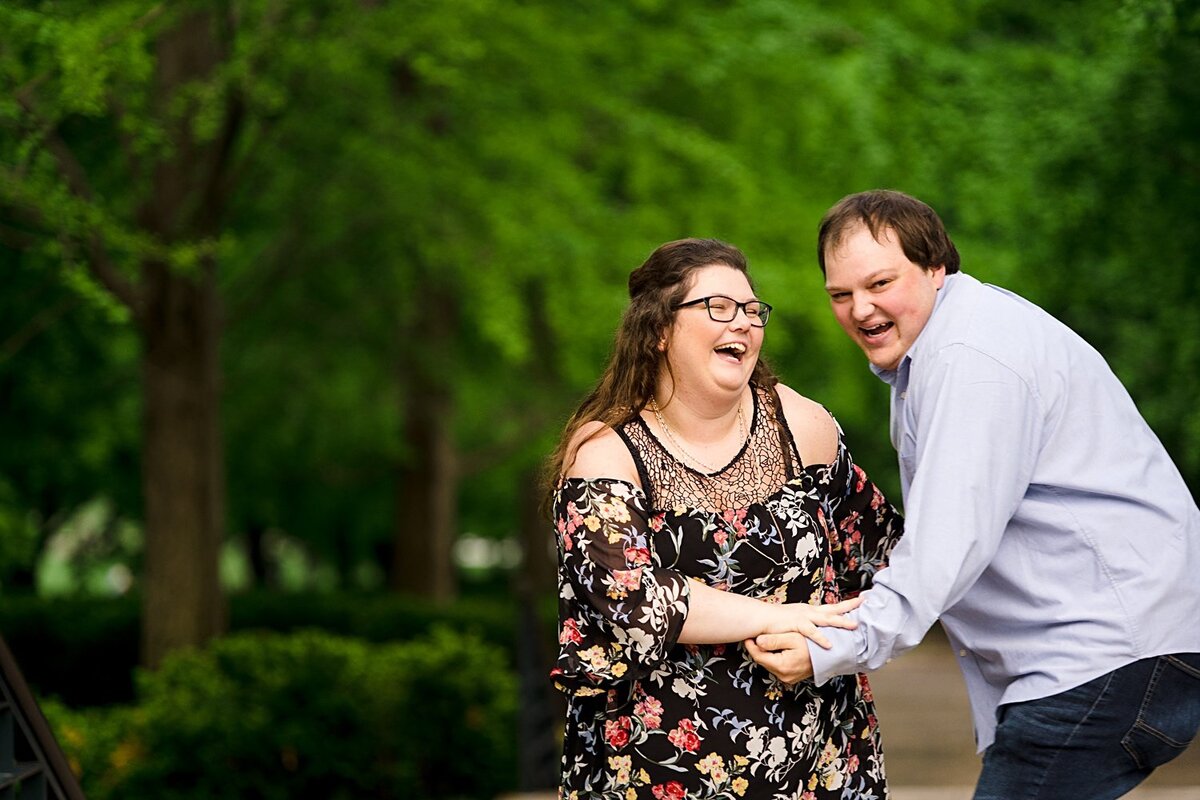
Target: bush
{"points": [[51, 637], [306, 715]]}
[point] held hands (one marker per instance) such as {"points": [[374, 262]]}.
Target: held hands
{"points": [[804, 619], [787, 659], [784, 653]]}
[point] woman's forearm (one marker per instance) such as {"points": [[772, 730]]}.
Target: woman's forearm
{"points": [[717, 617]]}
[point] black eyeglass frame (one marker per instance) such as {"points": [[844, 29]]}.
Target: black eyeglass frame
{"points": [[764, 313]]}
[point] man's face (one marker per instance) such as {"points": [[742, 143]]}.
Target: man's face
{"points": [[881, 299]]}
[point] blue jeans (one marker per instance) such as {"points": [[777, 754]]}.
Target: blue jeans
{"points": [[1096, 741]]}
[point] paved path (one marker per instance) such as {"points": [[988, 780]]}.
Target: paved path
{"points": [[927, 738]]}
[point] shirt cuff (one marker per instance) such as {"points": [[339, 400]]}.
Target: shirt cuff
{"points": [[841, 659]]}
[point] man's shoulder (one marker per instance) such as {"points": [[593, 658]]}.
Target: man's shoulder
{"points": [[992, 333], [992, 321]]}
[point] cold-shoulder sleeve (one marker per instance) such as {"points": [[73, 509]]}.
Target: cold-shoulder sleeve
{"points": [[619, 612], [865, 527]]}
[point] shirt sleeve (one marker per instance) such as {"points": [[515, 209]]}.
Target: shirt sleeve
{"points": [[865, 527], [976, 427], [620, 613]]}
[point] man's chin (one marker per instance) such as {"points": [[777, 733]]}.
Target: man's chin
{"points": [[883, 361]]}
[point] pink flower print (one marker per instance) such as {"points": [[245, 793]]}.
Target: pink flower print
{"points": [[720, 537], [860, 478], [570, 633], [657, 521], [628, 579], [616, 732], [650, 712], [672, 790], [637, 556], [574, 518], [738, 520], [684, 737]]}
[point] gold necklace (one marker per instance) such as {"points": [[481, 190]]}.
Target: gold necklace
{"points": [[671, 437]]}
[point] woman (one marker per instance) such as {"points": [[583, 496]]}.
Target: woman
{"points": [[699, 503]]}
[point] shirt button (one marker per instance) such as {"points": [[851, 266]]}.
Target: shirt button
{"points": [[904, 395], [888, 661], [962, 653]]}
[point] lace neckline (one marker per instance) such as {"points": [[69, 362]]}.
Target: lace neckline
{"points": [[754, 415], [764, 463]]}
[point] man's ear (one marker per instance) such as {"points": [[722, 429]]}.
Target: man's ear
{"points": [[939, 277]]}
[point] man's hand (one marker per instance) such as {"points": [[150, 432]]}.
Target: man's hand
{"points": [[808, 619], [784, 655]]}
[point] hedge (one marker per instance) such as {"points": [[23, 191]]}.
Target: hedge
{"points": [[306, 714], [51, 638]]}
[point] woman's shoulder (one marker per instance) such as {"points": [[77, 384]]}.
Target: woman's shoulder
{"points": [[813, 427], [600, 452]]}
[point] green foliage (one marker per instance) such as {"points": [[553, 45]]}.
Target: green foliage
{"points": [[19, 534], [70, 415], [50, 638], [306, 715], [505, 166]]}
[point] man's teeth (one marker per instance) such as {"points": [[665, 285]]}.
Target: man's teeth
{"points": [[880, 328]]}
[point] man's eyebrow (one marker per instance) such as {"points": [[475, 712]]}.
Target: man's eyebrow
{"points": [[869, 279]]}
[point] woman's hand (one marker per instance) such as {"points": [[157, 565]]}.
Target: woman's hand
{"points": [[807, 620], [788, 660]]}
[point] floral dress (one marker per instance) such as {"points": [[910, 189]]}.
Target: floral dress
{"points": [[648, 717]]}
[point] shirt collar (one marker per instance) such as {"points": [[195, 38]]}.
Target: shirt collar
{"points": [[898, 377]]}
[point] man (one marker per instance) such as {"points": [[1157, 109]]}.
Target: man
{"points": [[1046, 526]]}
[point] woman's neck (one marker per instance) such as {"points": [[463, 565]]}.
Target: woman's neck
{"points": [[701, 420]]}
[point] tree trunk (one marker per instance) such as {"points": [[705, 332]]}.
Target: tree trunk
{"points": [[427, 508], [183, 459], [183, 464], [537, 575], [427, 482]]}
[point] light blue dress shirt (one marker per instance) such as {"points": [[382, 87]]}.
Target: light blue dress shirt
{"points": [[1045, 525]]}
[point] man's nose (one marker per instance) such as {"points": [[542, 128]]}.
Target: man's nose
{"points": [[861, 307]]}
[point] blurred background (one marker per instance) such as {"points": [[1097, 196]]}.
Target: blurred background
{"points": [[296, 296]]}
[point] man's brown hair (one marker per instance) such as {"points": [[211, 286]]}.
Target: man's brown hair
{"points": [[920, 231]]}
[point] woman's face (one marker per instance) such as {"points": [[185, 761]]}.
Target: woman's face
{"points": [[706, 355]]}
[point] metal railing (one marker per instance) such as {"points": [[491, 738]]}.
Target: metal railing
{"points": [[32, 765]]}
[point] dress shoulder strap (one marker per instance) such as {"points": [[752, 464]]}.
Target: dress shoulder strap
{"points": [[624, 432], [787, 442]]}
